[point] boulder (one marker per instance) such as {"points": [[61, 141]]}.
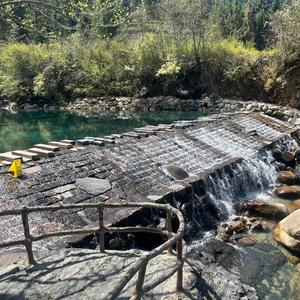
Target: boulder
{"points": [[263, 208], [287, 177], [294, 205], [287, 231], [287, 156], [290, 192]]}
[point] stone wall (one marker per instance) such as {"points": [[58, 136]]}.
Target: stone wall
{"points": [[126, 104]]}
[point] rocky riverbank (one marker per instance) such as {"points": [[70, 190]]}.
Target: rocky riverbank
{"points": [[125, 105]]}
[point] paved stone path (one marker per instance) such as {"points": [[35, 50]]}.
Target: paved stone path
{"points": [[87, 274]]}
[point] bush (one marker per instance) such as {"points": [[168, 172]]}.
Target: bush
{"points": [[60, 72]]}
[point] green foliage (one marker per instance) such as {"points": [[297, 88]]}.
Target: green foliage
{"points": [[88, 48]]}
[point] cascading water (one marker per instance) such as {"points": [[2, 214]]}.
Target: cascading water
{"points": [[251, 176], [264, 265]]}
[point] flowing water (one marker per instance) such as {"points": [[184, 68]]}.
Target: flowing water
{"points": [[266, 265], [21, 130]]}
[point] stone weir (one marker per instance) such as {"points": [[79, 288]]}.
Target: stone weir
{"points": [[152, 164]]}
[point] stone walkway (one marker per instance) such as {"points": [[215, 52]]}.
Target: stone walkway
{"points": [[87, 274]]}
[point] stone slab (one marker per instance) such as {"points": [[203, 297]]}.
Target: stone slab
{"points": [[8, 156], [27, 154], [61, 145], [47, 147], [42, 152]]}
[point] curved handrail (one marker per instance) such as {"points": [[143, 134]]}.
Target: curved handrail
{"points": [[140, 266]]}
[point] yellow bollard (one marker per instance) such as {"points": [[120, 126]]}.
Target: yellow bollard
{"points": [[16, 168]]}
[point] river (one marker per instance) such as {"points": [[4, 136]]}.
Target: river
{"points": [[21, 130]]}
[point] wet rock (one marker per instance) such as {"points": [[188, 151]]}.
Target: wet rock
{"points": [[93, 186], [176, 172], [225, 232], [288, 192], [287, 231], [287, 177], [240, 226], [263, 208], [247, 241], [287, 156], [216, 251]]}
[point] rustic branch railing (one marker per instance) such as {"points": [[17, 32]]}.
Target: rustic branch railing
{"points": [[140, 266]]}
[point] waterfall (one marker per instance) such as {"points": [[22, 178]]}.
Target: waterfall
{"points": [[246, 179], [242, 180]]}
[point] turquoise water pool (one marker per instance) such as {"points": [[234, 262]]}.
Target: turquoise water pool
{"points": [[21, 130]]}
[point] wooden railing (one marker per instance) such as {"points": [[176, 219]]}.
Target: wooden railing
{"points": [[140, 266]]}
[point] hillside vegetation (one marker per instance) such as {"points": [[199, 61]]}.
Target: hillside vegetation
{"points": [[56, 51]]}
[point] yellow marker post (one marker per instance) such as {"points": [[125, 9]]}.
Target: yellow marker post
{"points": [[16, 168]]}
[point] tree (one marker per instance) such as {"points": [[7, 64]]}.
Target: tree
{"points": [[286, 25], [40, 20]]}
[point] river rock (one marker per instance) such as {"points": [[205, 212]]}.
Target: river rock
{"points": [[287, 231], [263, 208], [288, 192], [287, 156], [240, 226], [287, 177], [247, 241], [93, 186]]}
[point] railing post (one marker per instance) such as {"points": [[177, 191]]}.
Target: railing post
{"points": [[180, 267], [140, 282], [169, 225], [101, 230], [28, 239]]}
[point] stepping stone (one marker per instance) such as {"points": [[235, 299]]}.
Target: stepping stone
{"points": [[47, 147], [8, 156], [61, 145], [84, 142], [106, 141], [98, 143], [117, 136], [26, 154], [42, 152], [147, 131], [68, 142], [132, 134], [111, 137], [89, 138]]}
